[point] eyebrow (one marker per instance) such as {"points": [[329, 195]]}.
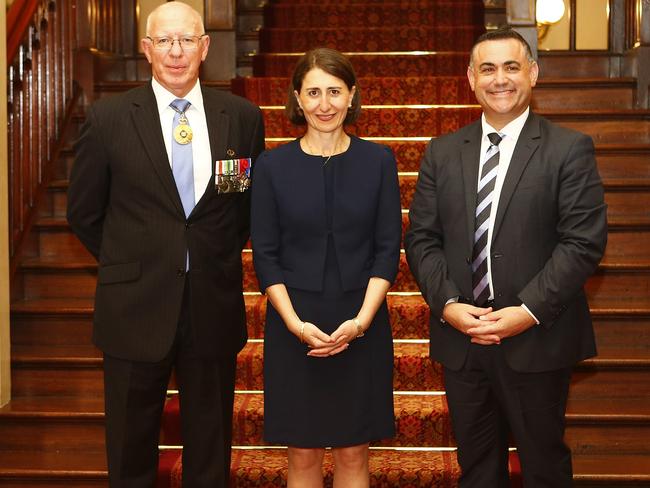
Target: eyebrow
{"points": [[507, 63], [338, 87]]}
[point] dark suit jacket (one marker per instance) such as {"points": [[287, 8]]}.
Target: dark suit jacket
{"points": [[550, 233], [124, 207], [289, 229]]}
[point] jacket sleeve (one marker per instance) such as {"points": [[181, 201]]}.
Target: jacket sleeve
{"points": [[89, 187], [265, 227], [424, 239], [388, 222], [582, 230]]}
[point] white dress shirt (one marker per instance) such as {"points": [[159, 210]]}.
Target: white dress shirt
{"points": [[201, 155], [510, 135]]}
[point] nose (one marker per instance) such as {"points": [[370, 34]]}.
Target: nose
{"points": [[176, 49], [324, 104], [500, 75]]}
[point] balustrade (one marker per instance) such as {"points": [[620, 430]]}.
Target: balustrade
{"points": [[39, 86]]}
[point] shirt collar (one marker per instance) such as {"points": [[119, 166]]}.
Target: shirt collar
{"points": [[164, 97], [511, 131]]}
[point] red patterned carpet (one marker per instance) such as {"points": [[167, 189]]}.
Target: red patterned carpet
{"points": [[387, 90], [373, 31], [405, 64]]}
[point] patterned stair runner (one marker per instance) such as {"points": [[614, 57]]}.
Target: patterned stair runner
{"points": [[434, 89]]}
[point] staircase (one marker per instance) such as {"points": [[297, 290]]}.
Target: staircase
{"points": [[51, 434]]}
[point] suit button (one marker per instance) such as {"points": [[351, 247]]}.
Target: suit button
{"points": [[468, 260], [180, 272], [187, 225]]}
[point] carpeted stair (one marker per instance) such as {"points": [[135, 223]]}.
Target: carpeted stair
{"points": [[421, 454], [413, 86]]}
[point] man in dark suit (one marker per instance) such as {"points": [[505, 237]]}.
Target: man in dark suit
{"points": [[507, 223], [144, 200]]}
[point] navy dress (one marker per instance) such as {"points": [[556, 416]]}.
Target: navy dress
{"points": [[342, 400]]}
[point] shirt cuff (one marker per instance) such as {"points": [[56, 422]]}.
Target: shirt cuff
{"points": [[523, 305], [451, 300]]}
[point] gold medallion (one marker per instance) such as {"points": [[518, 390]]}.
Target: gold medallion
{"points": [[183, 134]]}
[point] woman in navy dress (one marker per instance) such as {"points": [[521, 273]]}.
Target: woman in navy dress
{"points": [[326, 229]]}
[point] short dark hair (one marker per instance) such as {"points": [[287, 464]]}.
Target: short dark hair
{"points": [[498, 35], [332, 62]]}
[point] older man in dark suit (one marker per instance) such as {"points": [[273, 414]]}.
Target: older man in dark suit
{"points": [[158, 194], [507, 223]]}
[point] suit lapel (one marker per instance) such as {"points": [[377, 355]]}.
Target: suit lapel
{"points": [[218, 123], [470, 156], [147, 123], [526, 145]]}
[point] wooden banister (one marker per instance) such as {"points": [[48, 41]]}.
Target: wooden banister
{"points": [[19, 17], [39, 92]]}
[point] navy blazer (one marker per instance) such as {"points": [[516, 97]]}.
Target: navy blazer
{"points": [[289, 229]]}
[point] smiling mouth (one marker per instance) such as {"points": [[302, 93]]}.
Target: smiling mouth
{"points": [[325, 118], [501, 92]]}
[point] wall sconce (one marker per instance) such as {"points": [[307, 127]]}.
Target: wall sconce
{"points": [[548, 12]]}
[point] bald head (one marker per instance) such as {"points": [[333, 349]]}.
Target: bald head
{"points": [[174, 10], [175, 67]]}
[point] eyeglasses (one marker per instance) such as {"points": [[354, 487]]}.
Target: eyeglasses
{"points": [[187, 43]]}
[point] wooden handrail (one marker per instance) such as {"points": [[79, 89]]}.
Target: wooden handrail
{"points": [[19, 16]]}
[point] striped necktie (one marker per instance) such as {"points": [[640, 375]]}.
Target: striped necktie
{"points": [[182, 163], [489, 170]]}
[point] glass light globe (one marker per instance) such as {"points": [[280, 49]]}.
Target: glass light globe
{"points": [[549, 11]]}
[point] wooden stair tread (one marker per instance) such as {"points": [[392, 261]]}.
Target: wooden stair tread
{"points": [[61, 184], [55, 262], [621, 183], [54, 306], [611, 467], [123, 85], [604, 147], [53, 464], [616, 114], [52, 223], [640, 262], [83, 354], [618, 409], [585, 82], [79, 407], [636, 354]]}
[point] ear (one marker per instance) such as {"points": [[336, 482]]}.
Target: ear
{"points": [[470, 77], [352, 92], [297, 95], [146, 47], [534, 73], [206, 44]]}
